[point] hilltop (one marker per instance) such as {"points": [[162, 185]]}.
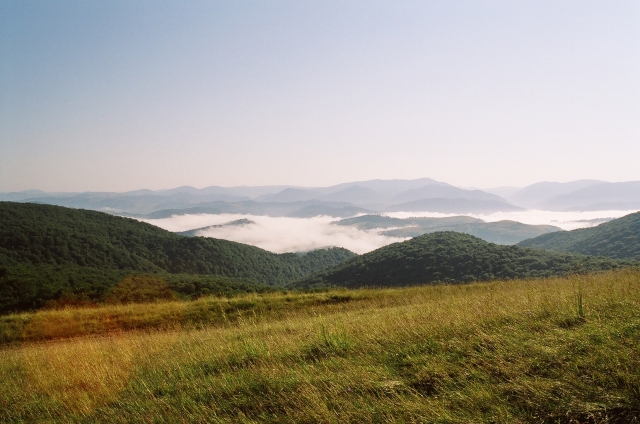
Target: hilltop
{"points": [[451, 257], [501, 232], [47, 251], [619, 238]]}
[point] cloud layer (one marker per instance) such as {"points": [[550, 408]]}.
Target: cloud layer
{"points": [[280, 234]]}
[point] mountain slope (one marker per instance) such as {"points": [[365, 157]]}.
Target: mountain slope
{"points": [[44, 234], [443, 192], [356, 195], [47, 251], [603, 196], [388, 187], [291, 194], [453, 206], [450, 257], [619, 238], [237, 223], [537, 195], [501, 232], [319, 210]]}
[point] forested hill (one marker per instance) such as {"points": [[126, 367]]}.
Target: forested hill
{"points": [[452, 258], [619, 238], [44, 234]]}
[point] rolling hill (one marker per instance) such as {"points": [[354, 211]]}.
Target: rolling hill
{"points": [[501, 232], [237, 223], [619, 238], [54, 250], [450, 257]]}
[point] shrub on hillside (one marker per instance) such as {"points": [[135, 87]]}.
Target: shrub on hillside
{"points": [[140, 289]]}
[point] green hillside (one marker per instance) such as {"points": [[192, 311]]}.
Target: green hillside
{"points": [[49, 251], [370, 222], [501, 232], [452, 258], [237, 223], [619, 239]]}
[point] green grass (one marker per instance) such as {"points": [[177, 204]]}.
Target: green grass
{"points": [[542, 350]]}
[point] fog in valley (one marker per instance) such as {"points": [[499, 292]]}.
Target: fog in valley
{"points": [[565, 220], [285, 234], [280, 234]]}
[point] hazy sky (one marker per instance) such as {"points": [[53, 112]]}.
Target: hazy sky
{"points": [[120, 95]]}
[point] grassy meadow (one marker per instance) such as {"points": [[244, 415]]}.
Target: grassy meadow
{"points": [[522, 351]]}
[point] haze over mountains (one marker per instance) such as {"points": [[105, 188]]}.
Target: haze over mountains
{"points": [[349, 199], [582, 195]]}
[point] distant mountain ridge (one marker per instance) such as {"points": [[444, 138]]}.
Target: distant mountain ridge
{"points": [[365, 196], [423, 194], [535, 196], [582, 195], [454, 206]]}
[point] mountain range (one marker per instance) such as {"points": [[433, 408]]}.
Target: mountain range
{"points": [[347, 199], [582, 195]]}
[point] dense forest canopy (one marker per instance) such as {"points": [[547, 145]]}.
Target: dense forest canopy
{"points": [[47, 251], [500, 232], [619, 238], [451, 257]]}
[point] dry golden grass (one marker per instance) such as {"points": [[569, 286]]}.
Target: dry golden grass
{"points": [[518, 351]]}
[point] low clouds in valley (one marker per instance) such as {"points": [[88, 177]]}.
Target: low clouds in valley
{"points": [[566, 220], [283, 234], [280, 234]]}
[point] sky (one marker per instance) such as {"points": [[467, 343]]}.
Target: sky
{"points": [[123, 95]]}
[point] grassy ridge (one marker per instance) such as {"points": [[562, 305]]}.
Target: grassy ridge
{"points": [[50, 324], [519, 351]]}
